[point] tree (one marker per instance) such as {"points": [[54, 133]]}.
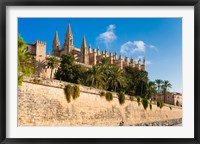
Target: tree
{"points": [[165, 87], [159, 83], [95, 77], [151, 89], [52, 63], [116, 79], [79, 74], [69, 71], [136, 81], [105, 68], [65, 71], [26, 62]]}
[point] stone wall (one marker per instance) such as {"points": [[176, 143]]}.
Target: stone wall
{"points": [[171, 122], [45, 104]]}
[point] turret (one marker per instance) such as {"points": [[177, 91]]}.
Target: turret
{"points": [[143, 66], [90, 49], [94, 56], [111, 58], [139, 61], [138, 65], [115, 56], [98, 51], [106, 53], [120, 62], [126, 62], [132, 63]]}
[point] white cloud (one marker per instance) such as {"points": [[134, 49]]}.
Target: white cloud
{"points": [[139, 46], [108, 36], [131, 47], [152, 47]]}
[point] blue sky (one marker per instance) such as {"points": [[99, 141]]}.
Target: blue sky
{"points": [[158, 40]]}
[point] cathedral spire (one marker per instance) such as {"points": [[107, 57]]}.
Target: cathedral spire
{"points": [[69, 31], [56, 39], [56, 45], [68, 44], [84, 51], [83, 42]]}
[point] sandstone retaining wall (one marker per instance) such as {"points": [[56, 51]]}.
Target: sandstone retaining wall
{"points": [[44, 104]]}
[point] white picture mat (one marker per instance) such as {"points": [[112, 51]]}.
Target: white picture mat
{"points": [[187, 14]]}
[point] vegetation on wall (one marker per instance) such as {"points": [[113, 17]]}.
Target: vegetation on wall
{"points": [[145, 103], [71, 92], [131, 98], [139, 100], [68, 92], [102, 93], [109, 96], [26, 62], [121, 97], [76, 92], [160, 104]]}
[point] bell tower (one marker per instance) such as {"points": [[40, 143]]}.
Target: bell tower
{"points": [[68, 44]]}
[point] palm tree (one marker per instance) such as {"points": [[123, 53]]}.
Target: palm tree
{"points": [[104, 63], [116, 78], [143, 80], [96, 77], [26, 62], [165, 86], [105, 67], [52, 63], [151, 89], [159, 83]]}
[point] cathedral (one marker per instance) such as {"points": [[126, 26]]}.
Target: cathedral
{"points": [[88, 57], [84, 55]]}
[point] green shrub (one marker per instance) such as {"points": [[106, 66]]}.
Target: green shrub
{"points": [[162, 104], [109, 96], [145, 103], [139, 99], [121, 98], [131, 98], [102, 93], [76, 92], [158, 104], [36, 80], [20, 80], [68, 92], [150, 105]]}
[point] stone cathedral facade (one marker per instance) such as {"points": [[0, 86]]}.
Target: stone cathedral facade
{"points": [[88, 56], [84, 55]]}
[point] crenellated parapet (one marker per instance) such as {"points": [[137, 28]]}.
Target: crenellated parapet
{"points": [[41, 43], [40, 50]]}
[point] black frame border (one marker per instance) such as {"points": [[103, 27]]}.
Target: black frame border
{"points": [[4, 3]]}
